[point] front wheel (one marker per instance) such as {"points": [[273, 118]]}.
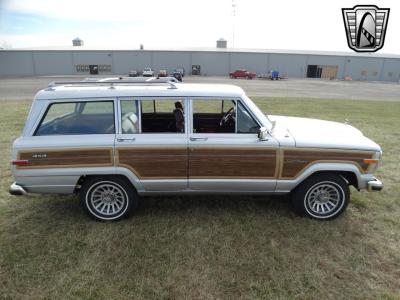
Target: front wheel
{"points": [[107, 198], [322, 196]]}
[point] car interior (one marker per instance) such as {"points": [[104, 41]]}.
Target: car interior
{"points": [[158, 122], [203, 122], [214, 116], [215, 122], [77, 121], [229, 117]]}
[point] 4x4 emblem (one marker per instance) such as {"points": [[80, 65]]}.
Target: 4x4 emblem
{"points": [[365, 27]]}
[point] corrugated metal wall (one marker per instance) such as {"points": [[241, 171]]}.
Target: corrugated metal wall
{"points": [[51, 63], [57, 62]]}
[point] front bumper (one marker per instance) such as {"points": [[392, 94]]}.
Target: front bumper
{"points": [[374, 185], [17, 190]]}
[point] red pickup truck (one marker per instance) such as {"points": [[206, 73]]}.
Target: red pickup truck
{"points": [[242, 74]]}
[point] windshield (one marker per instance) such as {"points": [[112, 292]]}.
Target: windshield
{"points": [[263, 118]]}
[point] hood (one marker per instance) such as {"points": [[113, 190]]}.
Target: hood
{"points": [[324, 134]]}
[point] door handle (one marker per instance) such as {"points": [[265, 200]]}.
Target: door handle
{"points": [[193, 139], [126, 139]]}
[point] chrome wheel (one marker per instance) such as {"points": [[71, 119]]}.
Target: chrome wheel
{"points": [[107, 200], [324, 199]]}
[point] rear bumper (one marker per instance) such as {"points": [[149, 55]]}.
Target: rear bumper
{"points": [[17, 190], [374, 185]]}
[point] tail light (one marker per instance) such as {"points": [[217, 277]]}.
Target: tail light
{"points": [[19, 162]]}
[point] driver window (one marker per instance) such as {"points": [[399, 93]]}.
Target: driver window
{"points": [[214, 116]]}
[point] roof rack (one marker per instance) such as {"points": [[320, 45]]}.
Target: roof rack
{"points": [[114, 81]]}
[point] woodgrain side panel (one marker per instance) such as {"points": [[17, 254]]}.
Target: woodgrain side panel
{"points": [[295, 161], [47, 158], [154, 163], [232, 163]]}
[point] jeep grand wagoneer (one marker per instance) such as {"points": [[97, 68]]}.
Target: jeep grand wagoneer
{"points": [[111, 142]]}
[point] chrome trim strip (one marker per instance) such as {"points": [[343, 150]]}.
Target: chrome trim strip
{"points": [[211, 192]]}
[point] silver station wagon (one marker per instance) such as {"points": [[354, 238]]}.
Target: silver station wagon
{"points": [[111, 142]]}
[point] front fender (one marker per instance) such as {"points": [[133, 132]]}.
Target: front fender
{"points": [[287, 185]]}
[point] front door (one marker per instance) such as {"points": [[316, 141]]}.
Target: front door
{"points": [[152, 142], [225, 153]]}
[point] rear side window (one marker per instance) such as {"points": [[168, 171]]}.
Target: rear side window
{"points": [[75, 118], [162, 116]]}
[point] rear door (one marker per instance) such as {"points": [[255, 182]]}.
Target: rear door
{"points": [[225, 153], [150, 144]]}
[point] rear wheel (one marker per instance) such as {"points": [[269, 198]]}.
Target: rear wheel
{"points": [[322, 196], [107, 198]]}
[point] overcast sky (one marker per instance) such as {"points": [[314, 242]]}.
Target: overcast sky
{"points": [[264, 24]]}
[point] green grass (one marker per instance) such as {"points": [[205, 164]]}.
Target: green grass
{"points": [[208, 247]]}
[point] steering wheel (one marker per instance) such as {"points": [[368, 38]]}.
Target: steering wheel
{"points": [[227, 116]]}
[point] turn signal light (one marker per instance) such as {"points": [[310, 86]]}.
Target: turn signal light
{"points": [[371, 161]]}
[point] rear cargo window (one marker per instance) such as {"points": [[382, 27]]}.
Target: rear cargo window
{"points": [[75, 118]]}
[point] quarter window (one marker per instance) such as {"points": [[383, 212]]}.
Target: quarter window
{"points": [[129, 116], [75, 118]]}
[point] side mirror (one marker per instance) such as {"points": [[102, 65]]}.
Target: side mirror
{"points": [[263, 134]]}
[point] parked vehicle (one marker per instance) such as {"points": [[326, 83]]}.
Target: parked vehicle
{"points": [[133, 73], [242, 74], [120, 140], [177, 75], [181, 71], [147, 72], [273, 75], [162, 73]]}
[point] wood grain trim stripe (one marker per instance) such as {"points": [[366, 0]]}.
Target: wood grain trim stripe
{"points": [[154, 163], [296, 161], [233, 163], [199, 162], [70, 158]]}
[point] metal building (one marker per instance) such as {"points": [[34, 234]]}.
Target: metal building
{"points": [[208, 62]]}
